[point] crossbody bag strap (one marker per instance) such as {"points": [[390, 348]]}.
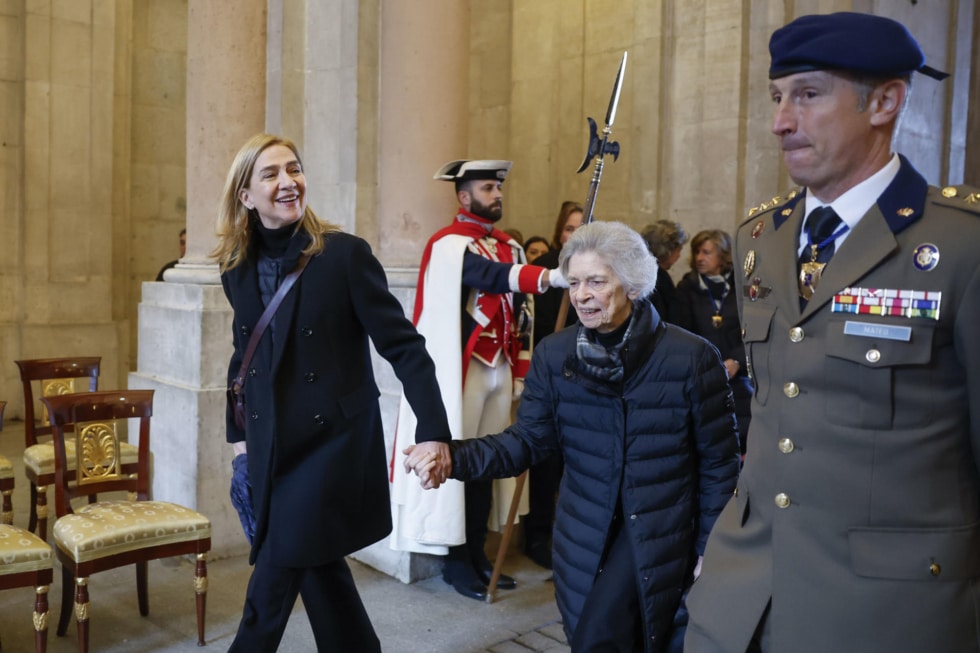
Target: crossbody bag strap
{"points": [[266, 317]]}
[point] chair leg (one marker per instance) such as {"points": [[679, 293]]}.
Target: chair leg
{"points": [[141, 594], [201, 590], [42, 512], [67, 583], [81, 613], [41, 619], [32, 522], [7, 516]]}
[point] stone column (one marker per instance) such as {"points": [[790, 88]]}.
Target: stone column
{"points": [[185, 322], [422, 120]]}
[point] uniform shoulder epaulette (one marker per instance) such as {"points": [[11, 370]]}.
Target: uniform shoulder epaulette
{"points": [[774, 203], [965, 198]]}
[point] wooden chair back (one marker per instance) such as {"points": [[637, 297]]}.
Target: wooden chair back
{"points": [[95, 420], [54, 376]]}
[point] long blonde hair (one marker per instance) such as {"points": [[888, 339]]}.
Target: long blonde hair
{"points": [[234, 229]]}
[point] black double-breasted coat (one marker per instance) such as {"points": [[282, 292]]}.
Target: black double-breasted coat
{"points": [[316, 451]]}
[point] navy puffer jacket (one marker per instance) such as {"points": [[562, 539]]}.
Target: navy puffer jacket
{"points": [[664, 439]]}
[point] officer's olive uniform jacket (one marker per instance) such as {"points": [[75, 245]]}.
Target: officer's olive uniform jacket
{"points": [[316, 450], [858, 508]]}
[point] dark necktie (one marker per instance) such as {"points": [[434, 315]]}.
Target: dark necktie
{"points": [[821, 227]]}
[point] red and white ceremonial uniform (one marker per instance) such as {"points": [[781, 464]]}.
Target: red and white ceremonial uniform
{"points": [[468, 319]]}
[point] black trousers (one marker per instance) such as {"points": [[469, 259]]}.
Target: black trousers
{"points": [[464, 559], [330, 597], [610, 621]]}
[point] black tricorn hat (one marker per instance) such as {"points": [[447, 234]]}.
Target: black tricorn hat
{"points": [[463, 170]]}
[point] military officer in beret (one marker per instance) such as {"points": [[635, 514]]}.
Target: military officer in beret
{"points": [[855, 525]]}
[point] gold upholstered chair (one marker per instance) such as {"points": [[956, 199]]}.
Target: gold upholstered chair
{"points": [[6, 481], [25, 561], [113, 533], [54, 376]]}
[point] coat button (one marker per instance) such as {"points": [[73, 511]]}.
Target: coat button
{"points": [[306, 331], [935, 569], [632, 516], [786, 445], [244, 330], [567, 374], [252, 372], [791, 390], [254, 415], [796, 334], [873, 356], [318, 419], [310, 377], [782, 500]]}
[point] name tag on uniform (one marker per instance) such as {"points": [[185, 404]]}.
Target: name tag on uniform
{"points": [[872, 330]]}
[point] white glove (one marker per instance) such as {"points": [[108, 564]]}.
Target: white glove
{"points": [[518, 389], [556, 280]]}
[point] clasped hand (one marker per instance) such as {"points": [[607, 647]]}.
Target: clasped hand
{"points": [[430, 461]]}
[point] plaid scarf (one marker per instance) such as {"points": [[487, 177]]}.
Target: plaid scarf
{"points": [[604, 363]]}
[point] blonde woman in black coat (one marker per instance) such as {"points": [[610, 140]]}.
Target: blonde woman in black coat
{"points": [[312, 453]]}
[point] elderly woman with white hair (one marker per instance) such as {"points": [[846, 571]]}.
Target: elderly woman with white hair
{"points": [[643, 416]]}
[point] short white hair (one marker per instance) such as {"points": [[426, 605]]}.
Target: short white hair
{"points": [[619, 247]]}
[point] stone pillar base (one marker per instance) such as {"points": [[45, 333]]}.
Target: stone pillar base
{"points": [[184, 348]]}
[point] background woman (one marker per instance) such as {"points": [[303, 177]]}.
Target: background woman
{"points": [[706, 306], [312, 451], [641, 412], [534, 247], [665, 239]]}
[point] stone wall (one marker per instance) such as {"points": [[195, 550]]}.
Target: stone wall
{"points": [[157, 156], [64, 271], [694, 115]]}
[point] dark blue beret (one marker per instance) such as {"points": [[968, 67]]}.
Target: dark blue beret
{"points": [[861, 43]]}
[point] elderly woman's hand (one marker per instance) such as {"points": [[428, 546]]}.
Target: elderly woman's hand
{"points": [[430, 461]]}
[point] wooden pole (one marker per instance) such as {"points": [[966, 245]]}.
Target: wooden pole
{"points": [[515, 501], [498, 563]]}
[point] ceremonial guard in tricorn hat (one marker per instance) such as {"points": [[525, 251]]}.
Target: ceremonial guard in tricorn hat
{"points": [[473, 308], [855, 525]]}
